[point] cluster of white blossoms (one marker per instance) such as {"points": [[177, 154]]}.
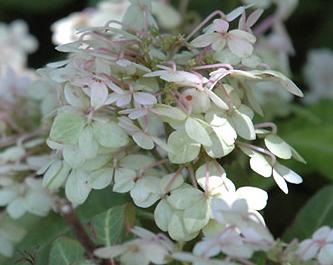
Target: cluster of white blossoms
{"points": [[154, 115], [275, 48], [15, 44], [65, 29], [23, 150], [319, 247], [318, 75]]}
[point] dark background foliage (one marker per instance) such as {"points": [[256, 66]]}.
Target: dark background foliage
{"points": [[311, 26]]}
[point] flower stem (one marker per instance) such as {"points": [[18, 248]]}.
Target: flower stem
{"points": [[68, 213], [203, 23]]}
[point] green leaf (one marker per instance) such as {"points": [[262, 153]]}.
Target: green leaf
{"points": [[314, 144], [55, 225], [182, 148], [65, 251], [109, 134], [317, 212], [111, 227], [67, 127]]}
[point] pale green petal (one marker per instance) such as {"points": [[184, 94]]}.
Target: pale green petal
{"points": [[6, 247], [124, 180], [56, 175], [210, 176], [162, 215], [143, 140], [184, 197], [16, 208], [197, 132], [260, 165], [169, 112], [182, 148], [278, 147], [177, 230], [136, 161], [100, 179], [87, 143], [67, 127], [196, 216], [109, 134], [243, 125], [73, 156], [77, 189]]}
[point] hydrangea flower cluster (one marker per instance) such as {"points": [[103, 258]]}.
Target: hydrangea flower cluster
{"points": [[23, 135], [318, 75], [156, 115], [16, 43], [65, 29]]}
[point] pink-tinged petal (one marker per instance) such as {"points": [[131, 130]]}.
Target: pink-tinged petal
{"points": [[307, 250], [115, 88], [242, 35], [280, 181], [144, 98], [330, 237], [137, 114], [254, 17], [239, 47], [155, 73], [325, 256], [205, 40], [289, 175], [112, 98], [321, 233], [220, 25], [235, 13], [242, 21], [217, 100], [124, 100], [98, 94], [143, 140], [219, 45]]}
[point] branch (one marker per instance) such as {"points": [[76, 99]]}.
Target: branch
{"points": [[68, 212]]}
